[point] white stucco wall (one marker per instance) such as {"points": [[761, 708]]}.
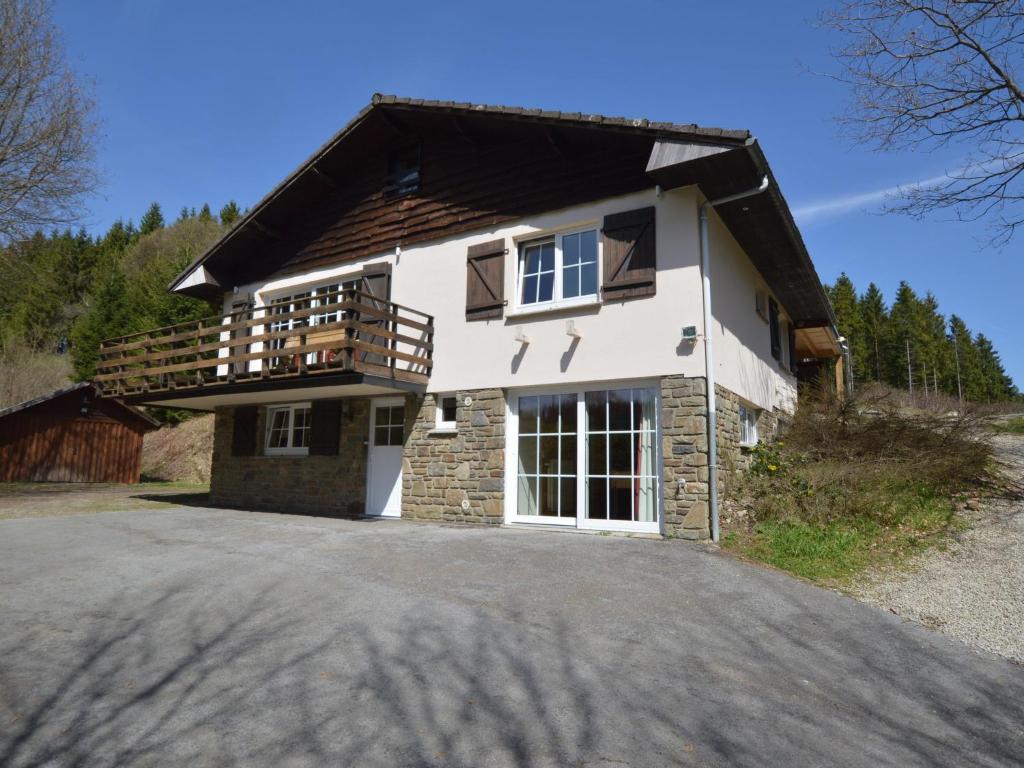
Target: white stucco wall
{"points": [[635, 339], [742, 340], [630, 339]]}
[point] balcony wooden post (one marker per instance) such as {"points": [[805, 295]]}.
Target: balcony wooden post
{"points": [[347, 358], [147, 350]]}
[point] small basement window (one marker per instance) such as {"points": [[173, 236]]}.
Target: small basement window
{"points": [[403, 173], [748, 426], [288, 430], [446, 412]]}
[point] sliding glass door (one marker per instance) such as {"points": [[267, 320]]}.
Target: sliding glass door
{"points": [[586, 457]]}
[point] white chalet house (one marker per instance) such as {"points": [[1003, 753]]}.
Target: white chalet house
{"points": [[496, 315]]}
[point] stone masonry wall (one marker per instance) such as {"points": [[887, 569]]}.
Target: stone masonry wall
{"points": [[685, 456], [731, 457], [456, 476], [685, 450], [331, 486]]}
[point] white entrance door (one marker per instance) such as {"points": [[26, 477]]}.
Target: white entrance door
{"points": [[384, 473]]}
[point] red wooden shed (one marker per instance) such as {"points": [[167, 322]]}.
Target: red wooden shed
{"points": [[74, 436]]}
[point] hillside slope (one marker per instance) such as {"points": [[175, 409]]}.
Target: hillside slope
{"points": [[181, 453]]}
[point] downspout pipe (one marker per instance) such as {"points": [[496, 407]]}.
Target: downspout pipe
{"points": [[709, 358]]}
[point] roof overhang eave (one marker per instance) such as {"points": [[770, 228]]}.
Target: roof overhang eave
{"points": [[721, 170]]}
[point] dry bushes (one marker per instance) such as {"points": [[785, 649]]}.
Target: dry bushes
{"points": [[180, 453], [853, 482]]}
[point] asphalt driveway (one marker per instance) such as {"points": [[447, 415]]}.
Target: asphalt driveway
{"points": [[189, 636]]}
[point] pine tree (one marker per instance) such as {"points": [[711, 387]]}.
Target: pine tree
{"points": [[906, 339], [230, 213], [205, 214], [109, 314], [184, 213], [152, 220], [873, 318], [844, 302], [997, 385], [966, 360], [935, 353], [118, 237], [37, 314]]}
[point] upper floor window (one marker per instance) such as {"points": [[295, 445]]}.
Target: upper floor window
{"points": [[559, 268], [288, 429], [283, 309], [403, 173]]}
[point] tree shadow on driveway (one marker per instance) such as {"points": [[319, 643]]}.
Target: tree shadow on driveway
{"points": [[265, 680]]}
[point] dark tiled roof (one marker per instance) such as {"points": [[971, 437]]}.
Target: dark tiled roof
{"points": [[575, 118], [379, 100]]}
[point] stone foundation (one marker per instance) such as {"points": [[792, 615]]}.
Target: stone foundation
{"points": [[732, 457], [685, 456], [456, 476], [330, 486]]}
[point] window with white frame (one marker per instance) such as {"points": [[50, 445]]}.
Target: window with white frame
{"points": [[588, 458], [320, 296], [288, 429], [748, 426], [547, 456], [389, 425], [621, 455], [447, 408], [558, 269]]}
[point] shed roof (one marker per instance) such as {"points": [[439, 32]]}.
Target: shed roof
{"points": [[89, 389]]}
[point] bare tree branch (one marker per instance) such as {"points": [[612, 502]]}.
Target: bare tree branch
{"points": [[46, 125], [933, 73]]}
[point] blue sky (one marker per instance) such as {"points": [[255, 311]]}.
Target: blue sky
{"points": [[206, 102]]}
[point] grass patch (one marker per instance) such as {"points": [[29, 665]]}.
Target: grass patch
{"points": [[854, 486], [19, 500], [1012, 427]]}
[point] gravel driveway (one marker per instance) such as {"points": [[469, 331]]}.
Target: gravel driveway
{"points": [[974, 588], [203, 637]]}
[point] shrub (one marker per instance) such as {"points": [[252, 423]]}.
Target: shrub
{"points": [[853, 480]]}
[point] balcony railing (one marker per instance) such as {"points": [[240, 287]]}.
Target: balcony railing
{"points": [[340, 331]]}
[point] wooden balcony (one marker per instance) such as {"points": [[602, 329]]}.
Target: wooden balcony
{"points": [[346, 331]]}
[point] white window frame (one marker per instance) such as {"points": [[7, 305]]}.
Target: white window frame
{"points": [[557, 301], [748, 427], [308, 293], [440, 425], [581, 521], [289, 450]]}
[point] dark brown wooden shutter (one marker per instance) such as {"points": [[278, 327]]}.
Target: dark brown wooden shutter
{"points": [[325, 427], [375, 280], [773, 325], [243, 436], [630, 263], [485, 280]]}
